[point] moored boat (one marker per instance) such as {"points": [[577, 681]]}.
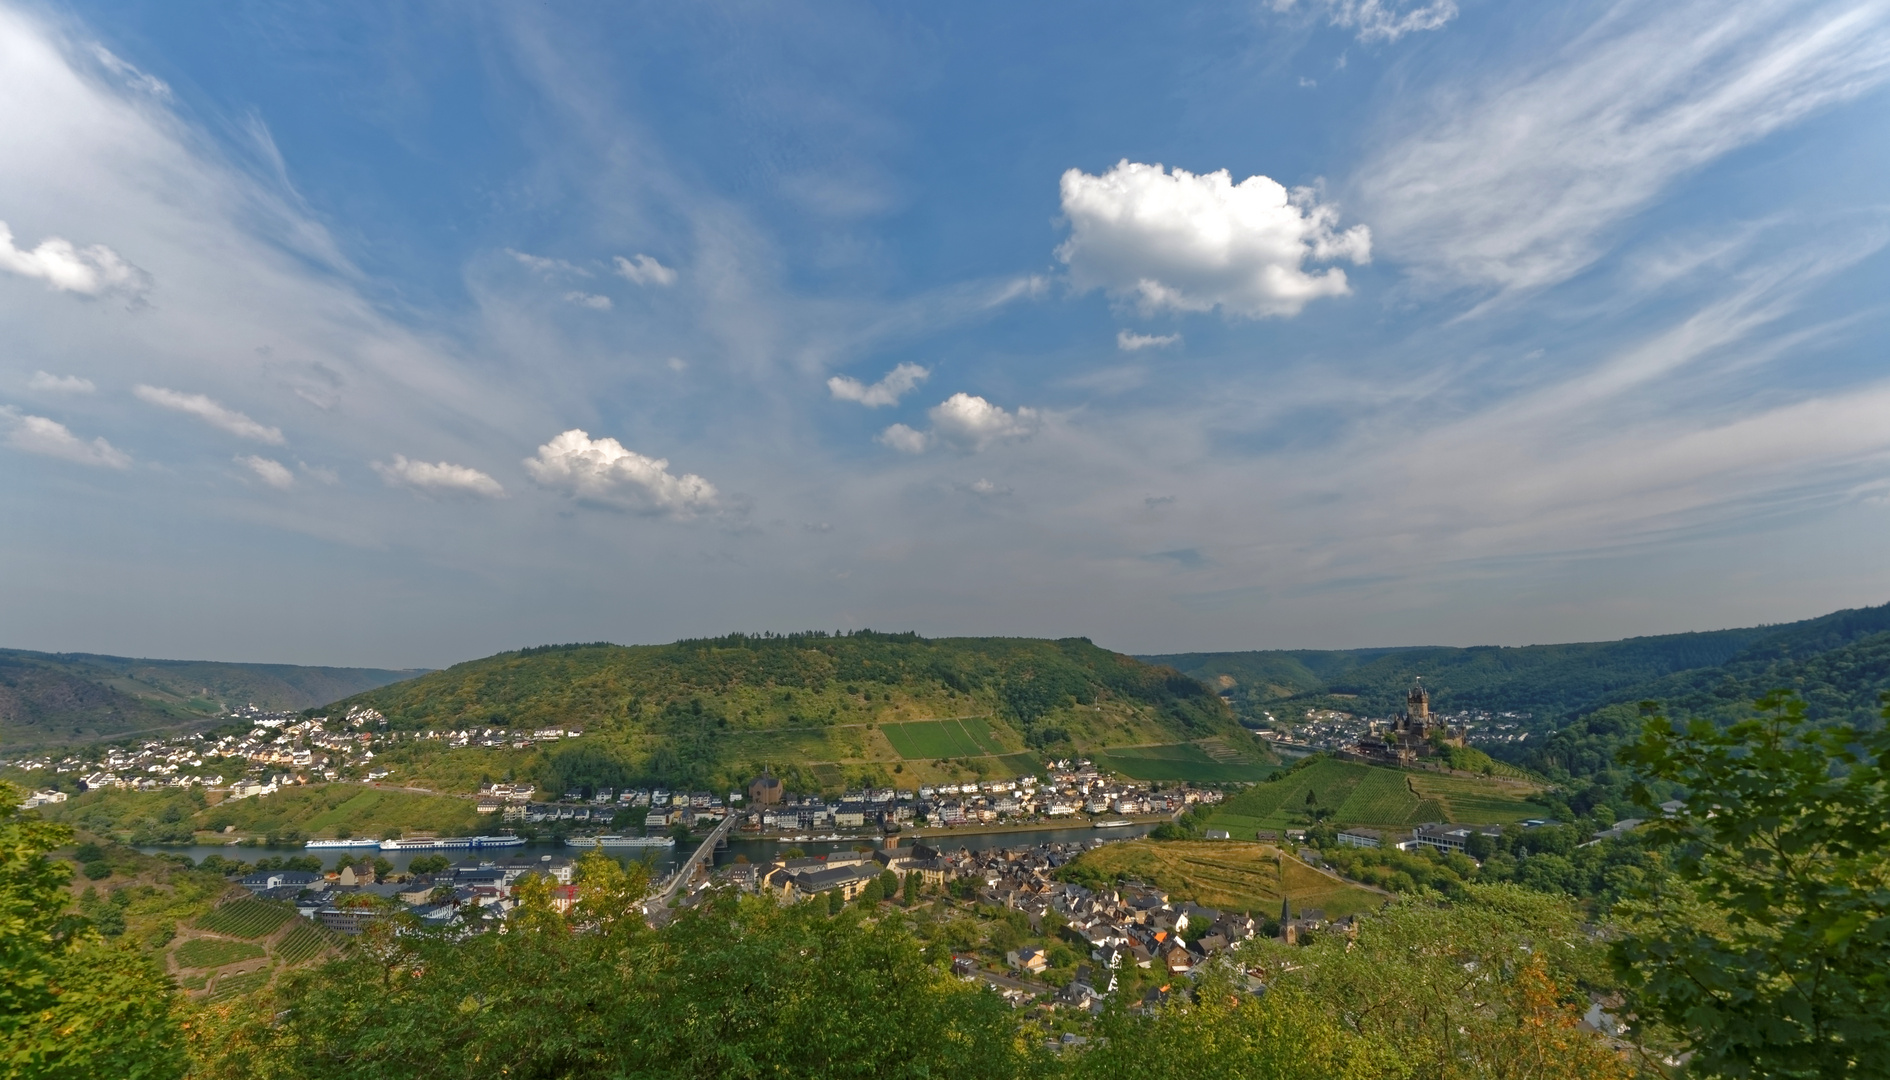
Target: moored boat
{"points": [[621, 841]]}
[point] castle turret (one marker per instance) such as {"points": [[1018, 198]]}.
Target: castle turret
{"points": [[1417, 704]]}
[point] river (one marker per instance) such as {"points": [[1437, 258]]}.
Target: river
{"points": [[756, 851]]}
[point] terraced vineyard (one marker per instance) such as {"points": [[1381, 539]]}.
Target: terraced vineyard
{"points": [[305, 942], [1369, 795], [1225, 875], [247, 918], [1477, 801], [215, 952], [229, 986], [1206, 762], [217, 957], [925, 739]]}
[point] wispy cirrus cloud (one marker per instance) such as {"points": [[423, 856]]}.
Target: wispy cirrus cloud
{"points": [[1379, 20], [211, 412], [1521, 180]]}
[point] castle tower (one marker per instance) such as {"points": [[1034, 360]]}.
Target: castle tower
{"points": [[1417, 704]]}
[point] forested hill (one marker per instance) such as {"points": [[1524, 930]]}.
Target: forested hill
{"points": [[1559, 682], [48, 699], [724, 706]]}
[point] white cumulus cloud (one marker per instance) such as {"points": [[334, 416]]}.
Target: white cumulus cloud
{"points": [[964, 422], [273, 473], [60, 384], [95, 270], [644, 270], [1130, 341], [1382, 20], [1194, 243], [886, 391], [39, 435], [210, 412], [605, 471], [438, 477], [589, 300], [906, 440]]}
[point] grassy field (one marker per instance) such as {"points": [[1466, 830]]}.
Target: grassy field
{"points": [[1228, 876], [1370, 795], [924, 739], [215, 952], [246, 918], [1184, 761]]}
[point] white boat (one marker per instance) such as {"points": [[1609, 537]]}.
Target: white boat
{"points": [[621, 841], [1112, 823], [342, 844], [430, 843]]}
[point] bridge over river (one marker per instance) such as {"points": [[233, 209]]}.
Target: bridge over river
{"points": [[656, 908]]}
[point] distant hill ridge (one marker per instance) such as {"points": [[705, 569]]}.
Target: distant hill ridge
{"points": [[862, 705], [1692, 671], [49, 699]]}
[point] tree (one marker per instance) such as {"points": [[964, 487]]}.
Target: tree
{"points": [[913, 882], [1770, 950], [71, 1005], [738, 987]]}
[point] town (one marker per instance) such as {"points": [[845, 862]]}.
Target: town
{"points": [[1113, 933]]}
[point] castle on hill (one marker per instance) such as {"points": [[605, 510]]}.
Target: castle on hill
{"points": [[1412, 734]]}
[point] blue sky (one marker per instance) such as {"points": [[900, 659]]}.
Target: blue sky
{"points": [[340, 334]]}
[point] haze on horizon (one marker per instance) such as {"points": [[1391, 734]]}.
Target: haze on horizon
{"points": [[398, 337]]}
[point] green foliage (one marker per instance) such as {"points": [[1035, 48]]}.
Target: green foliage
{"points": [[1771, 951], [735, 989], [429, 864], [71, 1005]]}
